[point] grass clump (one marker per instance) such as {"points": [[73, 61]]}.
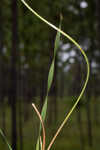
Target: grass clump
{"points": [[41, 141]]}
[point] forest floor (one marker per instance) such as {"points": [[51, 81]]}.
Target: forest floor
{"points": [[71, 136]]}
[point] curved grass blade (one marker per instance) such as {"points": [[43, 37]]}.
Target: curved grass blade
{"points": [[4, 138], [87, 63]]}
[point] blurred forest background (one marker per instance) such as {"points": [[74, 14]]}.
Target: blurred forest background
{"points": [[26, 52]]}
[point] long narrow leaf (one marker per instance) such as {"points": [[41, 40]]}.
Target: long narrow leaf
{"points": [[51, 74], [50, 79], [4, 138], [85, 57]]}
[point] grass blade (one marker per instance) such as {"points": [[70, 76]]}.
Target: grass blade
{"points": [[50, 79], [51, 74], [51, 70], [40, 118], [4, 138]]}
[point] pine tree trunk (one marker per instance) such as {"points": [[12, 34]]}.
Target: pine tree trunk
{"points": [[13, 75], [88, 111], [19, 94], [89, 124], [2, 67], [98, 22], [20, 125], [79, 119]]}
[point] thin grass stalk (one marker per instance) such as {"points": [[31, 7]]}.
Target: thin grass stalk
{"points": [[40, 118], [6, 141], [87, 63]]}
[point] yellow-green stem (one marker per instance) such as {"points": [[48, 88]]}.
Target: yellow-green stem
{"points": [[87, 62]]}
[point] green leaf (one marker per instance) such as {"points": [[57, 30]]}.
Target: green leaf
{"points": [[4, 138], [50, 76], [87, 63], [37, 145], [50, 79]]}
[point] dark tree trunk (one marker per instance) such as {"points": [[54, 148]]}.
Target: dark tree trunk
{"points": [[13, 75], [96, 111], [3, 117], [89, 123], [2, 67], [20, 93], [2, 96], [20, 125], [98, 22], [79, 119], [97, 93], [88, 111]]}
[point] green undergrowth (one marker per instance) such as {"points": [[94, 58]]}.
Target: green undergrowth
{"points": [[41, 138], [69, 137]]}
